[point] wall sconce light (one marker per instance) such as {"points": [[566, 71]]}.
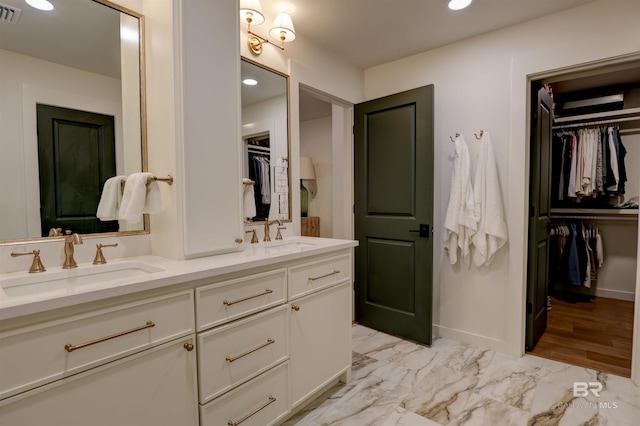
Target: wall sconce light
{"points": [[282, 28]]}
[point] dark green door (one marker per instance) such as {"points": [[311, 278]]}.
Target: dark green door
{"points": [[76, 155], [539, 199], [394, 213]]}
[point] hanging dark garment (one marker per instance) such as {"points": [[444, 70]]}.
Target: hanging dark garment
{"points": [[622, 170]]}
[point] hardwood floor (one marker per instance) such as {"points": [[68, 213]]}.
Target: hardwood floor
{"points": [[594, 333]]}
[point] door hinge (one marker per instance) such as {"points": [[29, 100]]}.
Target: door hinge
{"points": [[529, 308]]}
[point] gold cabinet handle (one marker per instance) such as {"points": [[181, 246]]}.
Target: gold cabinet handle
{"points": [[70, 348], [324, 276], [188, 346], [269, 342], [295, 307], [266, 291], [254, 412]]}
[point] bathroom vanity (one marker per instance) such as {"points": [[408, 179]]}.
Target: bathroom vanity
{"points": [[247, 337]]}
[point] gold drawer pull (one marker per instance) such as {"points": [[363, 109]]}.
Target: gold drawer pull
{"points": [[256, 411], [266, 291], [324, 276], [269, 342], [70, 348]]}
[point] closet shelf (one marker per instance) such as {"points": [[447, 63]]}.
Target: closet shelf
{"points": [[599, 212], [629, 113]]}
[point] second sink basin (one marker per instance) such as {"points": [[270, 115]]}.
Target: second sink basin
{"points": [[287, 246], [25, 284]]}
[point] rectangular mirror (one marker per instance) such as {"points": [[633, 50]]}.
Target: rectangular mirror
{"points": [[265, 134], [71, 115]]}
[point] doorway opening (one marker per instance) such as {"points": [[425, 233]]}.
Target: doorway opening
{"points": [[584, 189]]}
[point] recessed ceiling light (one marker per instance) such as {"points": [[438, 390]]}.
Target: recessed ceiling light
{"points": [[40, 4], [249, 82], [459, 4]]}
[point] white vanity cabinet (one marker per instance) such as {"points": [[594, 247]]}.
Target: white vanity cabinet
{"points": [[249, 343], [320, 324], [271, 340], [151, 388], [132, 363]]}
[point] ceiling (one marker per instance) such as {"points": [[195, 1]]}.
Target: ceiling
{"points": [[79, 34], [372, 32]]}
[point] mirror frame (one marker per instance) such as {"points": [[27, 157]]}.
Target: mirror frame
{"points": [[143, 131], [288, 87]]}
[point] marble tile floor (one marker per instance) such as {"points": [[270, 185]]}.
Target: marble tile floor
{"points": [[400, 383]]}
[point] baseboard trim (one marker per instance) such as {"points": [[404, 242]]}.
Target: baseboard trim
{"points": [[615, 294], [473, 339]]}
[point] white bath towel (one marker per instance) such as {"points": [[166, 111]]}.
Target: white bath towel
{"points": [[460, 221], [111, 199], [248, 199], [139, 197], [492, 229]]}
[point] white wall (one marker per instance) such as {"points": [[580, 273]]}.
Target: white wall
{"points": [[482, 83], [315, 142]]}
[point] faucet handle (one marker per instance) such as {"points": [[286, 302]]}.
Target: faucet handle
{"points": [[75, 238], [279, 234], [36, 265], [99, 259], [254, 237]]}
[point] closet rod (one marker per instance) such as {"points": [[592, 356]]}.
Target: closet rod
{"points": [[597, 122], [587, 217], [259, 149]]}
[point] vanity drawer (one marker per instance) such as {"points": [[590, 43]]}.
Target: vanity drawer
{"points": [[319, 274], [35, 355], [233, 353], [229, 300], [262, 401]]}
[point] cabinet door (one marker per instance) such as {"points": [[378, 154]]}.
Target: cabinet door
{"points": [[320, 339], [156, 387], [212, 216]]}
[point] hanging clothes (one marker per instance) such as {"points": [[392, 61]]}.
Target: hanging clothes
{"points": [[260, 173], [576, 252], [590, 168]]}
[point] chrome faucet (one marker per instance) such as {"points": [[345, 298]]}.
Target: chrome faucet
{"points": [[266, 228], [69, 241]]}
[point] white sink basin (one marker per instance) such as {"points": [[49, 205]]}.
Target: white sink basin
{"points": [[279, 247], [25, 284]]}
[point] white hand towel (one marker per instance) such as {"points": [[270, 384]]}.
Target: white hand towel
{"points": [[492, 229], [248, 200], [460, 221], [139, 197], [111, 199]]}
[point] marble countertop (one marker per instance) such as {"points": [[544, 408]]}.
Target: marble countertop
{"points": [[58, 291]]}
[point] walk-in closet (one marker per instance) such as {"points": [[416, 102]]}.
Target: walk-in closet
{"points": [[584, 188]]}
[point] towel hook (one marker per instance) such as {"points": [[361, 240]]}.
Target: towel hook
{"points": [[457, 136], [479, 137]]}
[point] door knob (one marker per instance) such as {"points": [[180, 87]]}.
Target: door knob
{"points": [[424, 230]]}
